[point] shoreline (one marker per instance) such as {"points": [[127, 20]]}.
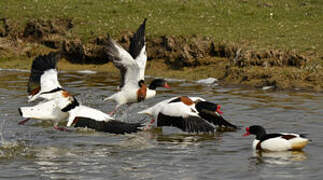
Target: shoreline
{"points": [[183, 57], [157, 69]]}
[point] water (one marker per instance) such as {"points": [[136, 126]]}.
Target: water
{"points": [[37, 151]]}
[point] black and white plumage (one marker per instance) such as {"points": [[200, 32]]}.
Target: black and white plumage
{"points": [[68, 108], [114, 126], [190, 114], [277, 141], [132, 67], [82, 111], [46, 110], [43, 82], [84, 116], [60, 104]]}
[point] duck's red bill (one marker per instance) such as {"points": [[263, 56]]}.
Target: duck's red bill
{"points": [[218, 110], [247, 133], [166, 86]]}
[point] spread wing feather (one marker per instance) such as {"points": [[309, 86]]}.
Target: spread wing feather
{"points": [[131, 65], [43, 73], [215, 118], [113, 126], [129, 69], [138, 49], [192, 124]]}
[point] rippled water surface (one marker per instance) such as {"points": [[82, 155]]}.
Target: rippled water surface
{"points": [[37, 151]]}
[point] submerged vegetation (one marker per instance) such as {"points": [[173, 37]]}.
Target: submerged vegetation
{"points": [[252, 42]]}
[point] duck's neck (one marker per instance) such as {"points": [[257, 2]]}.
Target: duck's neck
{"points": [[152, 86], [261, 133]]}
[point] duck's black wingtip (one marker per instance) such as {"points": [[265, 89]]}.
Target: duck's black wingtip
{"points": [[142, 27], [45, 62], [41, 64]]}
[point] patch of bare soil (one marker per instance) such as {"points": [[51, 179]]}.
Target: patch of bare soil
{"points": [[276, 68]]}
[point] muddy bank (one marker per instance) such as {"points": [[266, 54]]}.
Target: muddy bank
{"points": [[229, 62]]}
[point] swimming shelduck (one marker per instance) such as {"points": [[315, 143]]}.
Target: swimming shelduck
{"points": [[190, 114], [132, 70], [277, 141]]}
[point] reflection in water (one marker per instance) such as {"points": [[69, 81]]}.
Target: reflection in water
{"points": [[186, 137], [278, 165], [279, 158]]}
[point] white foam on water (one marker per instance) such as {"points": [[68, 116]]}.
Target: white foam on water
{"points": [[87, 72], [207, 81], [267, 87]]}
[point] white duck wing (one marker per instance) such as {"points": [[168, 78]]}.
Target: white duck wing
{"points": [[87, 112], [197, 98], [178, 109], [43, 77], [129, 69], [49, 81], [138, 49], [155, 109]]}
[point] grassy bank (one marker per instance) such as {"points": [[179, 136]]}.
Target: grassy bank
{"points": [[256, 25], [288, 24]]}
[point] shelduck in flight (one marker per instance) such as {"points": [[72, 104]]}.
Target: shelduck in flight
{"points": [[190, 114], [277, 141], [132, 66], [43, 84], [43, 81]]}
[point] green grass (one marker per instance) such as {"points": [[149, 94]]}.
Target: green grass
{"points": [[259, 24]]}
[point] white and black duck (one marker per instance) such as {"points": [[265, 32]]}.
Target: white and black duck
{"points": [[275, 141], [190, 114], [61, 105], [132, 67]]}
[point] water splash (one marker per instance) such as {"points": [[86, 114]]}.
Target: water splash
{"points": [[11, 149]]}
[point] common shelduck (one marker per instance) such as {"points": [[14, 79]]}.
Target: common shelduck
{"points": [[70, 109], [132, 70], [277, 141], [43, 82], [84, 116], [61, 105], [46, 110], [190, 114]]}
